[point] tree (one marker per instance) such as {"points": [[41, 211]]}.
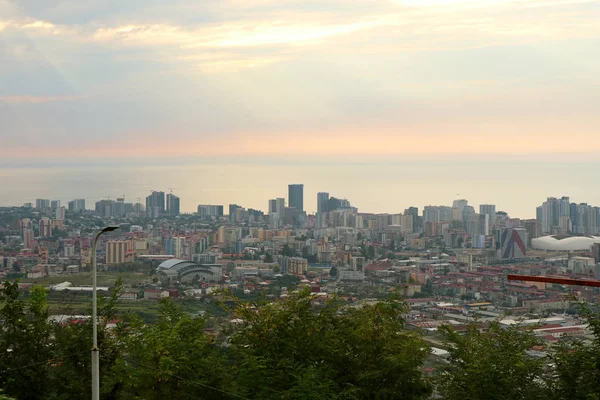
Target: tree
{"points": [[295, 349], [305, 252], [371, 252], [333, 272], [163, 360], [288, 251], [16, 266], [268, 258], [25, 340], [577, 374], [491, 365]]}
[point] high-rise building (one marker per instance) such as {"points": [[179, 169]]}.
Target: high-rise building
{"points": [[172, 205], [232, 208], [139, 208], [42, 204], [104, 208], [534, 229], [272, 206], [155, 204], [550, 214], [489, 209], [118, 208], [431, 214], [24, 224], [208, 211], [512, 243], [54, 204], [478, 224], [129, 208], [320, 220], [174, 246], [296, 196], [279, 204], [417, 223], [119, 251], [45, 227], [458, 207], [77, 205], [60, 214], [322, 202], [28, 238]]}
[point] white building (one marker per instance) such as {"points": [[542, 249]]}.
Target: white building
{"points": [[581, 265]]}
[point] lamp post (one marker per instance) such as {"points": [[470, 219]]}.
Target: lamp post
{"points": [[95, 351]]}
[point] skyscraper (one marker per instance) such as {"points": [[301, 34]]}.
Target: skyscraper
{"points": [[272, 206], [232, 208], [54, 204], [155, 204], [118, 208], [296, 196], [172, 205], [489, 209], [209, 210], [60, 213], [457, 209], [77, 205], [104, 208], [280, 207], [322, 202], [551, 214], [42, 204]]}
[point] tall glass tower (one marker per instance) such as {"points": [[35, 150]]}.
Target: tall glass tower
{"points": [[296, 196]]}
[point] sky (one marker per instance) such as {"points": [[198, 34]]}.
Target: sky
{"points": [[97, 81]]}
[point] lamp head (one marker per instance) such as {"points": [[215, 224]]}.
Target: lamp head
{"points": [[109, 229]]}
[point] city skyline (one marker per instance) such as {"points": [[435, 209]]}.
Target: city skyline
{"points": [[548, 215]]}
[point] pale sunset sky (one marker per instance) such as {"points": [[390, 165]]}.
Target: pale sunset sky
{"points": [[332, 91]]}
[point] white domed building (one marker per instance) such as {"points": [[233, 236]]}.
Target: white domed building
{"points": [[564, 243]]}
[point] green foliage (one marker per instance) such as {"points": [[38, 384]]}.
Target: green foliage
{"points": [[295, 349], [491, 365], [577, 363], [299, 348], [371, 252], [333, 272], [25, 340], [41, 359], [162, 359], [268, 258], [288, 251]]}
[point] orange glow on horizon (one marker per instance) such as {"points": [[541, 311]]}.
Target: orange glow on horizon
{"points": [[330, 144]]}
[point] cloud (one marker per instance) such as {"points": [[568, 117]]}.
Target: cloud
{"points": [[28, 99], [265, 76], [415, 25]]}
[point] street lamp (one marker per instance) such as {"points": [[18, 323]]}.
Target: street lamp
{"points": [[95, 351]]}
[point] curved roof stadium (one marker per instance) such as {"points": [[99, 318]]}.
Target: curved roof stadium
{"points": [[185, 270], [564, 243]]}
